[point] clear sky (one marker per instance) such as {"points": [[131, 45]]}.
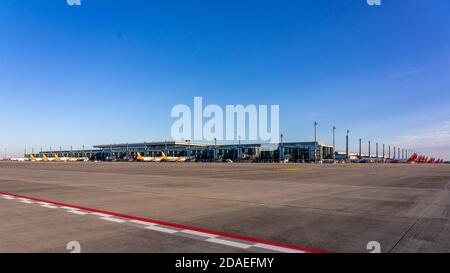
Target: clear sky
{"points": [[111, 71]]}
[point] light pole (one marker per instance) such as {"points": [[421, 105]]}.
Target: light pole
{"points": [[189, 147], [281, 150], [239, 149], [360, 148], [369, 149], [315, 141], [377, 150], [334, 144], [389, 152], [394, 151], [346, 145], [383, 153], [215, 149]]}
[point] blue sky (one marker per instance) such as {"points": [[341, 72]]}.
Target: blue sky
{"points": [[111, 71]]}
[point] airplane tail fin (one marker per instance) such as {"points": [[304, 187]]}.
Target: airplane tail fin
{"points": [[164, 155], [45, 158], [138, 155], [412, 158], [32, 157]]}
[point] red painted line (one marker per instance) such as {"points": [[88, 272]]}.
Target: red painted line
{"points": [[180, 226]]}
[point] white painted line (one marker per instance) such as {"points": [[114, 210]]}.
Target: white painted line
{"points": [[208, 237], [278, 248], [8, 197], [161, 229], [49, 206], [116, 220], [142, 222], [78, 212], [26, 201], [101, 214], [228, 243], [69, 208], [198, 233]]}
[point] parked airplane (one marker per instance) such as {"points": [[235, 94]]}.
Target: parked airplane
{"points": [[139, 157], [422, 159], [173, 158], [63, 159], [412, 159], [70, 159], [20, 159], [84, 159], [47, 159], [33, 158]]}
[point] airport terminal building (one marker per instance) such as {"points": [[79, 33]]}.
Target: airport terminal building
{"points": [[291, 151]]}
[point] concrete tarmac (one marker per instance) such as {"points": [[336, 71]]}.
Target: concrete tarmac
{"points": [[339, 208]]}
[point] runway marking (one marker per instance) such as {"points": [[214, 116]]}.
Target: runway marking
{"points": [[101, 214], [277, 248], [228, 243], [232, 240], [8, 197], [141, 222], [197, 233], [162, 229], [78, 212], [69, 208], [47, 205], [112, 219], [25, 200]]}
